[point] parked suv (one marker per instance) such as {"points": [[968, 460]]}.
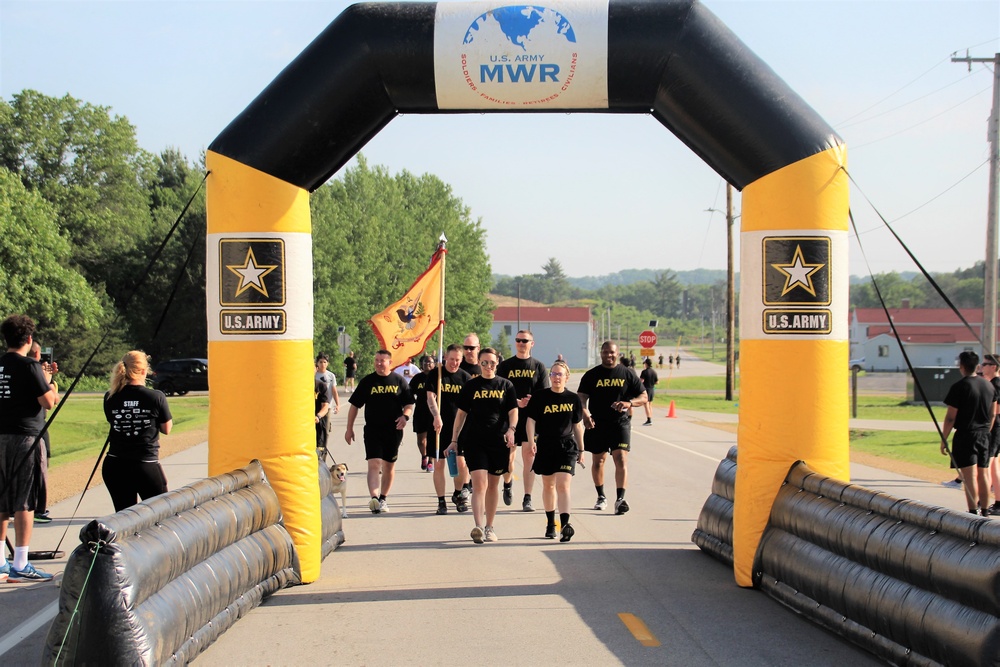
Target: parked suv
{"points": [[179, 376]]}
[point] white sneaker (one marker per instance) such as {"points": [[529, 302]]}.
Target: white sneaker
{"points": [[383, 506], [601, 504], [477, 535], [621, 506], [491, 535], [373, 505], [465, 493]]}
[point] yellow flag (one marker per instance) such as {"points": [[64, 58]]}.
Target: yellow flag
{"points": [[404, 327]]}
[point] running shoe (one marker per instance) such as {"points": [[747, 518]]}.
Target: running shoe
{"points": [[974, 511], [648, 422], [995, 507], [373, 505], [462, 506], [466, 492], [28, 574], [4, 571], [601, 504], [430, 465], [477, 535], [550, 532], [442, 507], [953, 484], [621, 506], [567, 533], [508, 494], [526, 505], [383, 506], [43, 518], [491, 535]]}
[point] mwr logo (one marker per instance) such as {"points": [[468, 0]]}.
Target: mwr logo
{"points": [[796, 271], [797, 321], [252, 272], [519, 56], [254, 321]]}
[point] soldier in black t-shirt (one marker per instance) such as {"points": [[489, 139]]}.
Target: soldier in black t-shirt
{"points": [[528, 376], [555, 417], [608, 392], [421, 415], [452, 379], [970, 412], [388, 405], [484, 426], [350, 368], [470, 355], [26, 392]]}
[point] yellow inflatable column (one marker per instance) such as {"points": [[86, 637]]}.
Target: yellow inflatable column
{"points": [[260, 330], [793, 338]]}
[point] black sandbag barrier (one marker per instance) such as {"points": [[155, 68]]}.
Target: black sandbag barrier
{"points": [[333, 524], [912, 583], [158, 582], [714, 532]]}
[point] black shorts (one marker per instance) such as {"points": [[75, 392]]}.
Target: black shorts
{"points": [[494, 460], [23, 468], [556, 457], [649, 394], [971, 448], [521, 432], [608, 438], [382, 444], [436, 445], [995, 442], [422, 423]]}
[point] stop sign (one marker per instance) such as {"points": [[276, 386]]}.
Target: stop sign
{"points": [[647, 339]]}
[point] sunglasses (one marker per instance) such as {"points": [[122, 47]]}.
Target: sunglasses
{"points": [[522, 340], [470, 347], [987, 363], [487, 364]]}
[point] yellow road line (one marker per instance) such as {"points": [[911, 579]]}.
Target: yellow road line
{"points": [[639, 629]]}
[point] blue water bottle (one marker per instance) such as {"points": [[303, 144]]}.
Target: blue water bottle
{"points": [[453, 463]]}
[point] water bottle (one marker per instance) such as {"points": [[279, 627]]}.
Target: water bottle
{"points": [[453, 463]]}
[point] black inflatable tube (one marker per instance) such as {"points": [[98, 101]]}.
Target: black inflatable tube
{"points": [[671, 58], [171, 574]]}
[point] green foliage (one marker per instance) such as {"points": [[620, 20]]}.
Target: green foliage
{"points": [[373, 235], [964, 287]]}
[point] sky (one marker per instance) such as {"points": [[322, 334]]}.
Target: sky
{"points": [[599, 192]]}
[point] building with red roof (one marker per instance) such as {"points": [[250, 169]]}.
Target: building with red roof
{"points": [[568, 331]]}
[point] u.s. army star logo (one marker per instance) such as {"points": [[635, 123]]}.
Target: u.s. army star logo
{"points": [[252, 272], [796, 271]]}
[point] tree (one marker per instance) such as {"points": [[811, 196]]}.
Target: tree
{"points": [[36, 278]]}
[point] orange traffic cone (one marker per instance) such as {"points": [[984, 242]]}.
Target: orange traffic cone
{"points": [[672, 412]]}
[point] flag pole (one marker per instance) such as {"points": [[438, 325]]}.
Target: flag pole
{"points": [[440, 360]]}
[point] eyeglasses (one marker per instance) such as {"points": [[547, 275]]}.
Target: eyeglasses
{"points": [[522, 340], [470, 347], [988, 363], [487, 364], [557, 374]]}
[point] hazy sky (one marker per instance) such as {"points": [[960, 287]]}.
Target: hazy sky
{"points": [[599, 192]]}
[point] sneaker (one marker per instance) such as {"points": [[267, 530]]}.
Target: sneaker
{"points": [[995, 507], [621, 506], [985, 511], [28, 574], [423, 463], [442, 507], [567, 533], [477, 535], [462, 506], [974, 511], [526, 506], [430, 465], [648, 422], [455, 497], [43, 518], [383, 506], [601, 504], [465, 493], [373, 505], [508, 494], [4, 571], [953, 484], [550, 532], [491, 535]]}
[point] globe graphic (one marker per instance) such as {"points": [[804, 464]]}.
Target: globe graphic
{"points": [[519, 22]]}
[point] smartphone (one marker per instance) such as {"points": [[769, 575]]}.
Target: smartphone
{"points": [[46, 358]]}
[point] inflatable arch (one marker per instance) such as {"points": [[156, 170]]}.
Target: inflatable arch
{"points": [[670, 58]]}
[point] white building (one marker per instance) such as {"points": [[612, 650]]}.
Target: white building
{"points": [[565, 331]]}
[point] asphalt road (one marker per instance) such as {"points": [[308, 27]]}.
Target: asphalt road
{"points": [[410, 587]]}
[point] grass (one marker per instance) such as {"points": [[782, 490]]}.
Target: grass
{"points": [[919, 447], [80, 428]]}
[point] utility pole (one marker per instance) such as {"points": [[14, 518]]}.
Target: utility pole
{"points": [[730, 298], [993, 134]]}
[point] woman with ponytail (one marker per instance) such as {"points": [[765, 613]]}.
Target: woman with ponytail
{"points": [[137, 416]]}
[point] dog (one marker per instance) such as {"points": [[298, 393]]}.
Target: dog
{"points": [[339, 473]]}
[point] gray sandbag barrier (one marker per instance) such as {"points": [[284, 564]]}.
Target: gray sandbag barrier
{"points": [[714, 532], [333, 524], [158, 582], [912, 583]]}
